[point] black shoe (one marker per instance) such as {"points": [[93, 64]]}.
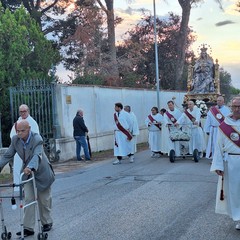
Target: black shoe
{"points": [[26, 233], [47, 227], [80, 159]]}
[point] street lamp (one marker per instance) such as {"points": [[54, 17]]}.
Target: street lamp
{"points": [[156, 54]]}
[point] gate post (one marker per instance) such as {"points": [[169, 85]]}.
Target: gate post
{"points": [[56, 126]]}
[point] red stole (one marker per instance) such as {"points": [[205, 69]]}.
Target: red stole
{"points": [[217, 114], [190, 116], [230, 133], [121, 128], [152, 120], [171, 117]]}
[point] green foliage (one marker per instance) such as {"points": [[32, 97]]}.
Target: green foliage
{"points": [[234, 91], [131, 79], [90, 79], [24, 54], [225, 83]]}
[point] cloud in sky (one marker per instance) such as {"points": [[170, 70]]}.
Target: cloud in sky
{"points": [[222, 23], [131, 11]]}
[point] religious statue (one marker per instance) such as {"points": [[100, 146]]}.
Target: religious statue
{"points": [[203, 81], [203, 74]]}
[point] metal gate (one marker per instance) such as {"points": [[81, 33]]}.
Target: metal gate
{"points": [[39, 95]]}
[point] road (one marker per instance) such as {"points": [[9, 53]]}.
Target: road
{"points": [[151, 199]]}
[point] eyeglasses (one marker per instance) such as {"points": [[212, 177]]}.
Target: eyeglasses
{"points": [[23, 111]]}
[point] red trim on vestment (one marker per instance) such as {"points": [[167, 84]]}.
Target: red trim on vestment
{"points": [[121, 128]]}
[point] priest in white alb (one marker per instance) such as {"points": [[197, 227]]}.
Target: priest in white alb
{"points": [[135, 132], [171, 116], [215, 117], [122, 133], [226, 163], [17, 163], [190, 118], [154, 122]]}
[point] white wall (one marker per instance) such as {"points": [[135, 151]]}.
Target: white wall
{"points": [[98, 106]]}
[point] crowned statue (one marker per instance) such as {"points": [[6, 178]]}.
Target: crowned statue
{"points": [[203, 74], [203, 78]]}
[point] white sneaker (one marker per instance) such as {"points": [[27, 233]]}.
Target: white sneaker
{"points": [[131, 159], [238, 226], [116, 162]]}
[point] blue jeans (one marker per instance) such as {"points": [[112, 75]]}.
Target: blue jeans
{"points": [[81, 142]]}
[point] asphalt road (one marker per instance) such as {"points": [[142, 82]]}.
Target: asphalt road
{"points": [[151, 199]]}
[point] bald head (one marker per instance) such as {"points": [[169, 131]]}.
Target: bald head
{"points": [[23, 124], [23, 129], [190, 105]]}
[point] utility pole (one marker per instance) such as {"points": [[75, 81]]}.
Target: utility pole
{"points": [[156, 55]]}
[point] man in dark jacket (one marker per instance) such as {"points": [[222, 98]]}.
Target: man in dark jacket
{"points": [[79, 133]]}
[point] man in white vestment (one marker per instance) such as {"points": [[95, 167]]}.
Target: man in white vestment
{"points": [[135, 132], [154, 122], [170, 117], [164, 133], [191, 119], [122, 133], [215, 116], [17, 162], [226, 163]]}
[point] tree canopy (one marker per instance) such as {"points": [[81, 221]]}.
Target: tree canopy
{"points": [[24, 54], [136, 53]]}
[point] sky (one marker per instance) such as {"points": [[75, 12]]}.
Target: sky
{"points": [[217, 28]]}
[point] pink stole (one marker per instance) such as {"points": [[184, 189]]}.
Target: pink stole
{"points": [[231, 133], [121, 128], [190, 116], [217, 114], [152, 120], [171, 117]]}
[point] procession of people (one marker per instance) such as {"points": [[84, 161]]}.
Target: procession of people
{"points": [[222, 146], [162, 125]]}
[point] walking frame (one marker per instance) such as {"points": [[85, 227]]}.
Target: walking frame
{"points": [[5, 235]]}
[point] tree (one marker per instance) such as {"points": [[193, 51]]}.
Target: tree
{"points": [[24, 53], [44, 12], [186, 6], [136, 54], [82, 41], [238, 6], [113, 73], [225, 83]]}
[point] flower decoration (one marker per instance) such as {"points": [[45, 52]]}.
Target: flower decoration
{"points": [[203, 107]]}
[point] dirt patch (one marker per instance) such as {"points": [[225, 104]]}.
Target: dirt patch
{"points": [[96, 156]]}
